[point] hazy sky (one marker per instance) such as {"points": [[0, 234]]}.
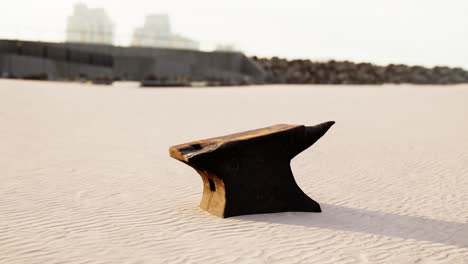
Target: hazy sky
{"points": [[425, 32]]}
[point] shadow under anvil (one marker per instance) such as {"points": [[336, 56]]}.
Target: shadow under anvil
{"points": [[372, 222]]}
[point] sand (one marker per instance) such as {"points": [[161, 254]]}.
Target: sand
{"points": [[85, 175]]}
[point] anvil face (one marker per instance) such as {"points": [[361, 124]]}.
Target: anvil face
{"points": [[249, 172]]}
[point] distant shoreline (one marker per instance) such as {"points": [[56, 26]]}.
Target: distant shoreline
{"points": [[153, 67]]}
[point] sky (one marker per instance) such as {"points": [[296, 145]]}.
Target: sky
{"points": [[429, 32]]}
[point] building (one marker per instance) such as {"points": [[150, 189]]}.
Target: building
{"points": [[87, 25], [156, 33], [225, 48]]}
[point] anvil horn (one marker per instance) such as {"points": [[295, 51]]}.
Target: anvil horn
{"points": [[312, 134]]}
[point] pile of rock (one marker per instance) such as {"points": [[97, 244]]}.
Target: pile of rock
{"points": [[345, 72]]}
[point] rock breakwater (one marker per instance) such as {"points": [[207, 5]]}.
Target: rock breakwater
{"points": [[344, 72]]}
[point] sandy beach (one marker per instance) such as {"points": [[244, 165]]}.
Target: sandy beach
{"points": [[86, 176]]}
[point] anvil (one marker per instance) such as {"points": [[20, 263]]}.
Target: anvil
{"points": [[250, 172]]}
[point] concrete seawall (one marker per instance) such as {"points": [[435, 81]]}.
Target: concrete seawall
{"points": [[74, 60]]}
